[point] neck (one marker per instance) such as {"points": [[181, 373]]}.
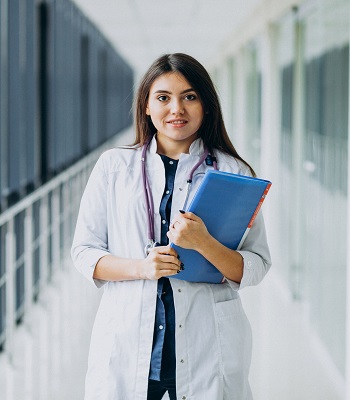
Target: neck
{"points": [[172, 149]]}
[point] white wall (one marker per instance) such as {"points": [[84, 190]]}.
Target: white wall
{"points": [[291, 359]]}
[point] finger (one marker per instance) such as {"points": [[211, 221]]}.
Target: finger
{"points": [[170, 236], [175, 220], [171, 251], [169, 272], [160, 250], [170, 262], [165, 254], [173, 226], [174, 223], [188, 215]]}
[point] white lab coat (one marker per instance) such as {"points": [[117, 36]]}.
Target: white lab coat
{"points": [[213, 335]]}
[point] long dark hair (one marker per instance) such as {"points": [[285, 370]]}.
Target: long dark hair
{"points": [[212, 130]]}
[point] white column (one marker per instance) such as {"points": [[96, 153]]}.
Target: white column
{"points": [[297, 144], [239, 139], [271, 136], [347, 336], [224, 89], [269, 168]]}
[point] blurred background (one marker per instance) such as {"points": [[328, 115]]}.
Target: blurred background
{"points": [[68, 73]]}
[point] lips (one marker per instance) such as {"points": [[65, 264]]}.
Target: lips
{"points": [[177, 122]]}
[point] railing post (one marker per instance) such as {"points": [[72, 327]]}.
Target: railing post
{"points": [[28, 258], [44, 231], [55, 229], [10, 289]]}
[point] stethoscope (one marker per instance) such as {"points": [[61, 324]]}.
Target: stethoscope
{"points": [[148, 195]]}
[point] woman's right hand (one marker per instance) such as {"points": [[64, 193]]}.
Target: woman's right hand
{"points": [[161, 261]]}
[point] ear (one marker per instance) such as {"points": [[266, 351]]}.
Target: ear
{"points": [[147, 111]]}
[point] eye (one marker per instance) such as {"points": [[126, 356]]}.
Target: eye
{"points": [[163, 97], [191, 97]]}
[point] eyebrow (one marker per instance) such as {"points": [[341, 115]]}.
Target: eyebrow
{"points": [[167, 91]]}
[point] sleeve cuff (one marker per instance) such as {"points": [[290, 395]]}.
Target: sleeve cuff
{"points": [[249, 260], [87, 263]]}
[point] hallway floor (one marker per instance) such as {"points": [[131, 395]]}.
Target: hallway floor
{"points": [[50, 353]]}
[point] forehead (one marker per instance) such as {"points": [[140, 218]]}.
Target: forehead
{"points": [[170, 81]]}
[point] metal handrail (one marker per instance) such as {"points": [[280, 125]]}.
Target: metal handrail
{"points": [[54, 229]]}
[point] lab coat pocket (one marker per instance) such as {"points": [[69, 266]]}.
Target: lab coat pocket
{"points": [[235, 341]]}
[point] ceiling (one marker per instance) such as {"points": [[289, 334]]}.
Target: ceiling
{"points": [[143, 30]]}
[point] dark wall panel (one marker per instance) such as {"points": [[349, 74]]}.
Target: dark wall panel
{"points": [[326, 116], [15, 129], [65, 91], [32, 178]]}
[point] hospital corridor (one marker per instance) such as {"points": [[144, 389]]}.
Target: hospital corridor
{"points": [[69, 74]]}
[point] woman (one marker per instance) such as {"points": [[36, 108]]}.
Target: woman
{"points": [[155, 334]]}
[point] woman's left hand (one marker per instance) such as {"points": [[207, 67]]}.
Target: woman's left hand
{"points": [[188, 231]]}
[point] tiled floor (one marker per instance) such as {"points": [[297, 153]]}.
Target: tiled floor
{"points": [[50, 352], [289, 362]]}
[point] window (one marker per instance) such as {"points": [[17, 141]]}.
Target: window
{"points": [[325, 161]]}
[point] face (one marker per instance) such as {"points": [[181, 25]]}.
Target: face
{"points": [[175, 110]]}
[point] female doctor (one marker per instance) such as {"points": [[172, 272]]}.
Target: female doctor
{"points": [[155, 334]]}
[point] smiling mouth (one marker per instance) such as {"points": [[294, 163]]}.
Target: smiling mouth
{"points": [[178, 122]]}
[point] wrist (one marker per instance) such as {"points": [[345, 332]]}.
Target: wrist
{"points": [[205, 244], [139, 269]]}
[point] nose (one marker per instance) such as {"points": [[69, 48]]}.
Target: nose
{"points": [[177, 107]]}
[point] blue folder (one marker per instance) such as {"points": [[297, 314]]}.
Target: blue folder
{"points": [[228, 204]]}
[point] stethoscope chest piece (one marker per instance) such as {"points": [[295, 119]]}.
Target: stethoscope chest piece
{"points": [[150, 245]]}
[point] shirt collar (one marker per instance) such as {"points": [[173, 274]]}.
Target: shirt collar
{"points": [[153, 145], [196, 148]]}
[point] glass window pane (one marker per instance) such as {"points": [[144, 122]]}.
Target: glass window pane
{"points": [[286, 65], [324, 183], [253, 103]]}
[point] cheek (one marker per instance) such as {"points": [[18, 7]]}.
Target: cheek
{"points": [[199, 112], [155, 120], [156, 113], [200, 116]]}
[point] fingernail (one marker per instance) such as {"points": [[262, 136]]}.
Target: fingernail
{"points": [[178, 257], [182, 264], [178, 271], [182, 268], [182, 211]]}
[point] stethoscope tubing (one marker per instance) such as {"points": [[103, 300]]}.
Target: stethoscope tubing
{"points": [[147, 190], [147, 195]]}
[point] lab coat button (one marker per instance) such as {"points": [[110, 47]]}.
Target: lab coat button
{"points": [[183, 397], [182, 361], [180, 326], [179, 290]]}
